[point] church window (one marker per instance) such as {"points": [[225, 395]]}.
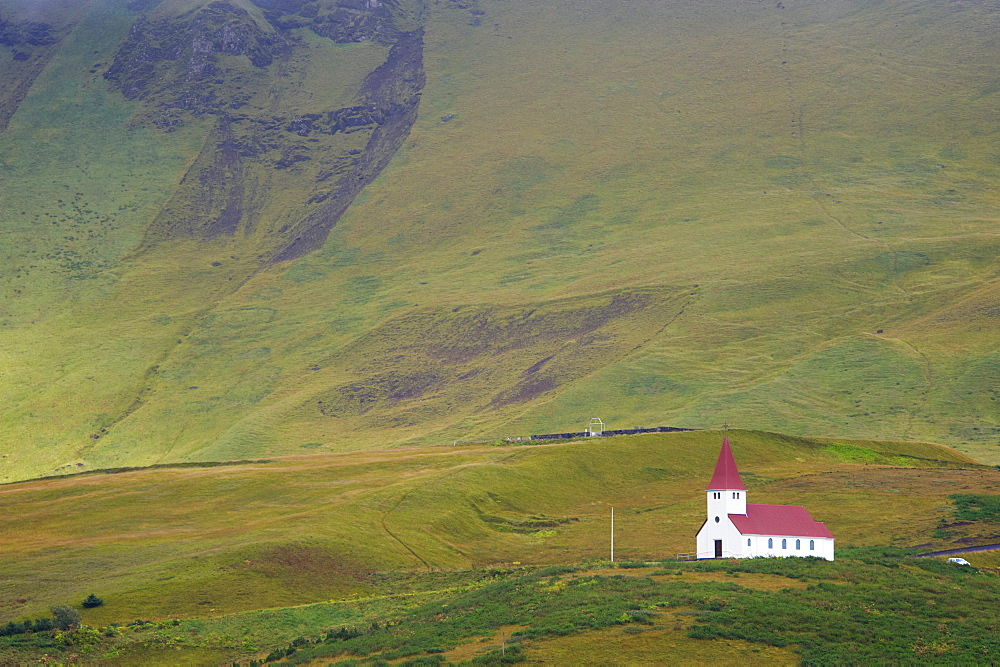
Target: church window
{"points": [[748, 541], [798, 544], [812, 545], [784, 544], [770, 543], [716, 519]]}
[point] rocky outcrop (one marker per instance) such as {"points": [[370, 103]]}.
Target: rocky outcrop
{"points": [[164, 55], [26, 33], [392, 93], [343, 21], [356, 21], [31, 45], [322, 157]]}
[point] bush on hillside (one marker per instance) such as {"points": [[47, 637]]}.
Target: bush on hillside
{"points": [[65, 617], [12, 628], [92, 601]]}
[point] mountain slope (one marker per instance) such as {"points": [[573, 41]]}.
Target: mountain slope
{"points": [[780, 216]]}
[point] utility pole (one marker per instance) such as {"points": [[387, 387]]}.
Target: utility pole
{"points": [[612, 534]]}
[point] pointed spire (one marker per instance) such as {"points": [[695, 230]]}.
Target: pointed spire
{"points": [[726, 474]]}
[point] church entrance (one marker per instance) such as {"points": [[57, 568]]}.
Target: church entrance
{"points": [[718, 548]]}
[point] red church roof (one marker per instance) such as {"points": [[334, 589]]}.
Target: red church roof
{"points": [[726, 475], [792, 520]]}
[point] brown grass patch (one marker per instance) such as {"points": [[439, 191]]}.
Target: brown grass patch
{"points": [[658, 645], [470, 650]]}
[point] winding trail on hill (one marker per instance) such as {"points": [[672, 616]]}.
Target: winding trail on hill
{"points": [[433, 480], [385, 516]]}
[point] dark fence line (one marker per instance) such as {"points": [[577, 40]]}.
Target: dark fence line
{"points": [[611, 432]]}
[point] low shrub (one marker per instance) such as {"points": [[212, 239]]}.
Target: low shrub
{"points": [[92, 601]]}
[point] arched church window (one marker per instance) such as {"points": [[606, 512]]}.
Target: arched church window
{"points": [[784, 544], [770, 543], [798, 544], [748, 541], [812, 545]]}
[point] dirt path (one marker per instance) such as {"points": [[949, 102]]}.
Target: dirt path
{"points": [[963, 550]]}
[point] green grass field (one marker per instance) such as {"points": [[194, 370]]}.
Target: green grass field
{"points": [[779, 216], [178, 541], [654, 213], [230, 562]]}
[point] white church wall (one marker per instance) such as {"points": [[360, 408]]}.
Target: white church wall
{"points": [[732, 542], [785, 546], [824, 548], [721, 503]]}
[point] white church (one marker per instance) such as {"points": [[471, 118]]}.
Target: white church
{"points": [[737, 529]]}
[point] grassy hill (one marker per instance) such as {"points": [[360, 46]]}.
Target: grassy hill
{"points": [[238, 548], [774, 215], [168, 541]]}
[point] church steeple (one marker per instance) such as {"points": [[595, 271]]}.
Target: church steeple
{"points": [[726, 476]]}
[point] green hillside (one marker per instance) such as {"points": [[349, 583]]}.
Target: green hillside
{"points": [[256, 553], [170, 540], [240, 229]]}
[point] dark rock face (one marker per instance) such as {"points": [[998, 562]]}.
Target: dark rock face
{"points": [[31, 44], [175, 67], [178, 57], [190, 45], [356, 21], [343, 21], [346, 120], [30, 33], [392, 96]]}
